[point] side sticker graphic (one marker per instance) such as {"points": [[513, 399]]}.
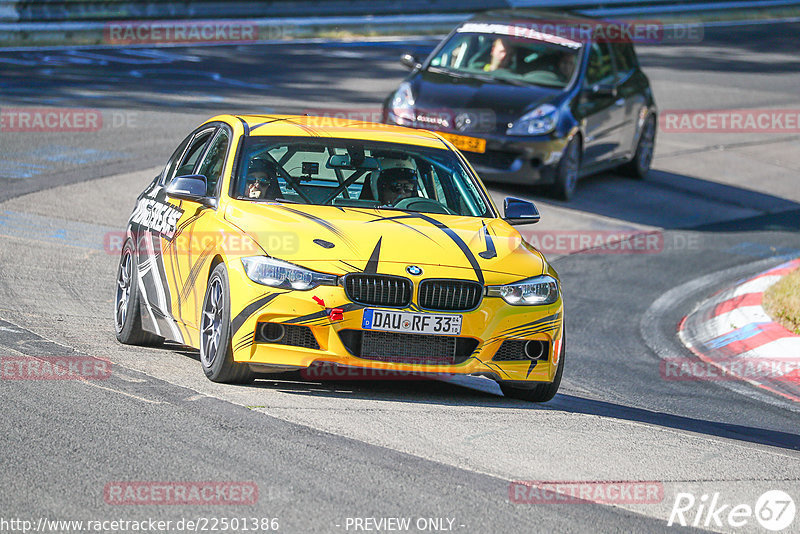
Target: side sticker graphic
{"points": [[159, 217]]}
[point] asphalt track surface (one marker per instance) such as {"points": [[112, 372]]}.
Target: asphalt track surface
{"points": [[725, 205]]}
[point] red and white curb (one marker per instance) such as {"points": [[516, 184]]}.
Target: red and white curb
{"points": [[731, 332]]}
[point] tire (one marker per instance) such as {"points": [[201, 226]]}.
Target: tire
{"points": [[567, 171], [539, 392], [127, 309], [639, 166], [216, 351]]}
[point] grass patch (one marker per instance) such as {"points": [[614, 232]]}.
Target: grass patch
{"points": [[782, 301]]}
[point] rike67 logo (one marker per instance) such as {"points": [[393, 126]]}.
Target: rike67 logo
{"points": [[774, 510]]}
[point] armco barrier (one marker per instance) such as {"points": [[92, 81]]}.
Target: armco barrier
{"points": [[84, 22], [99, 10]]}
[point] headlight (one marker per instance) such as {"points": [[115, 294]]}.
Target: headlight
{"points": [[531, 292], [277, 273], [402, 104], [539, 121]]}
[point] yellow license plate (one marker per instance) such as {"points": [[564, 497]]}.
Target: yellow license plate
{"points": [[470, 144]]}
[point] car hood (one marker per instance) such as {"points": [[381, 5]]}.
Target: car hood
{"points": [[340, 240], [495, 103]]}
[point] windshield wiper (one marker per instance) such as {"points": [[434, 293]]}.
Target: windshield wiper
{"points": [[510, 81], [479, 76], [452, 72]]}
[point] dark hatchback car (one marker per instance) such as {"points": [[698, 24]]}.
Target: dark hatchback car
{"points": [[526, 106]]}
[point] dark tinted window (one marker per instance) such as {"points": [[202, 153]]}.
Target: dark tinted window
{"points": [[517, 59], [625, 58], [356, 173], [195, 150], [214, 161], [601, 68], [172, 164]]}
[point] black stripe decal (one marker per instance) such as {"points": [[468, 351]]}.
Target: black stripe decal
{"points": [[194, 272], [458, 241], [395, 220], [249, 310], [355, 269], [449, 232], [490, 365], [372, 263], [322, 222], [538, 322], [248, 340], [530, 367], [490, 251]]}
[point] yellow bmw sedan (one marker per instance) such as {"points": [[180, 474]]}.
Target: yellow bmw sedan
{"points": [[284, 243]]}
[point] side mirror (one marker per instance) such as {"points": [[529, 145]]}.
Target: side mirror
{"points": [[518, 211], [602, 90], [410, 61], [191, 188]]}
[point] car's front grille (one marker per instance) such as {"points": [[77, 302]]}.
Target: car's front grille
{"points": [[449, 295], [494, 159], [378, 289], [420, 349]]}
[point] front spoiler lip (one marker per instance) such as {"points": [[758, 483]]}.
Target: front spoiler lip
{"points": [[364, 372]]}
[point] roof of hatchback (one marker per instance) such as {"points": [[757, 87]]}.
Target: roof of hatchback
{"points": [[335, 128]]}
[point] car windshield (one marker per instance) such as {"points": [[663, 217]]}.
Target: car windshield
{"points": [[506, 57], [354, 173]]}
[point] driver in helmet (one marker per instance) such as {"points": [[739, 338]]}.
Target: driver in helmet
{"points": [[262, 181], [395, 184]]}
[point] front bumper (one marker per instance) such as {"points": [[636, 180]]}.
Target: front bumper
{"points": [[523, 162], [484, 331], [509, 159]]}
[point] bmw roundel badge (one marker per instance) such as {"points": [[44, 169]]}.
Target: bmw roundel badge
{"points": [[414, 270]]}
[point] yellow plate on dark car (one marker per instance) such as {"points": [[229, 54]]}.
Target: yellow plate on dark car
{"points": [[462, 142]]}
